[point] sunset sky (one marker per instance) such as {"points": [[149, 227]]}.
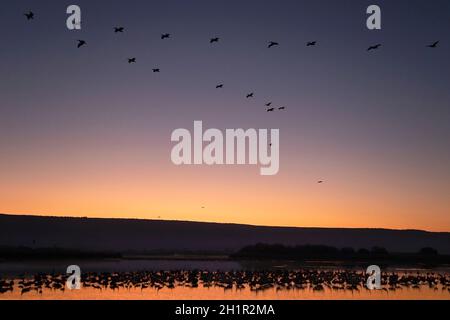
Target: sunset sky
{"points": [[84, 133]]}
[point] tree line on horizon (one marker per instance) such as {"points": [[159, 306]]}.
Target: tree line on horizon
{"points": [[299, 252]]}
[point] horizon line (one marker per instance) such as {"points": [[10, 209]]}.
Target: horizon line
{"points": [[212, 222]]}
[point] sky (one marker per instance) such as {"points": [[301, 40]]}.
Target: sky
{"points": [[84, 133]]}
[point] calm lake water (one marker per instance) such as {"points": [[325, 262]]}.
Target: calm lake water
{"points": [[15, 271]]}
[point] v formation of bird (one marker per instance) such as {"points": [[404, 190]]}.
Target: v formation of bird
{"points": [[82, 43]]}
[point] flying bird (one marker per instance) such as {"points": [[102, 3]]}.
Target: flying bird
{"points": [[268, 104], [374, 47], [250, 95], [320, 181], [118, 29], [219, 86], [214, 40], [270, 109], [311, 43], [165, 36], [81, 43], [131, 60], [282, 108], [272, 44], [29, 15], [434, 45], [155, 70]]}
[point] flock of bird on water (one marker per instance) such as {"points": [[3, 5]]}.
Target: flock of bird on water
{"points": [[255, 281], [269, 107]]}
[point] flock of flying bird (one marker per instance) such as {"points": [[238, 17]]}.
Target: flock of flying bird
{"points": [[81, 43], [268, 105], [255, 281]]}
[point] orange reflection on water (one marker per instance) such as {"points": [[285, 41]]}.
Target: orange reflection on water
{"points": [[217, 293]]}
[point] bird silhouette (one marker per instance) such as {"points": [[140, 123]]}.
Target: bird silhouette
{"points": [[374, 47], [268, 104], [219, 86], [320, 181], [131, 60], [81, 43], [118, 29], [156, 70], [272, 44], [311, 43], [250, 95], [270, 109], [214, 40], [29, 15], [165, 36], [282, 108], [434, 45]]}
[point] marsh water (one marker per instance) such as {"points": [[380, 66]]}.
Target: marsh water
{"points": [[15, 271]]}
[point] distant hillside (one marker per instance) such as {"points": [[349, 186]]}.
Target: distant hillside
{"points": [[124, 235]]}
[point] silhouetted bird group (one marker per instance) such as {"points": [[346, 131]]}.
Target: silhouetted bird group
{"points": [[255, 281], [119, 29]]}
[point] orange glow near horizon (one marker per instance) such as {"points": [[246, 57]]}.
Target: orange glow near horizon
{"points": [[128, 188]]}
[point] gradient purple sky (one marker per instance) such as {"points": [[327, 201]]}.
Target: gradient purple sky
{"points": [[84, 133]]}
